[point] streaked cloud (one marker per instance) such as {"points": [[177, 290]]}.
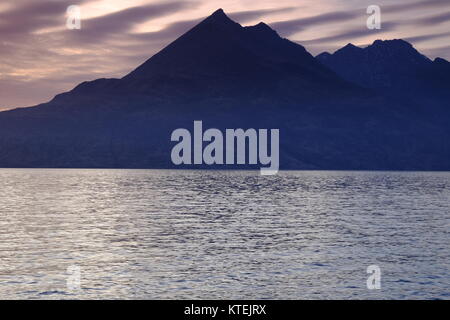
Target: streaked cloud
{"points": [[249, 15], [435, 19], [427, 37], [28, 17], [350, 34], [289, 27], [416, 5], [123, 21]]}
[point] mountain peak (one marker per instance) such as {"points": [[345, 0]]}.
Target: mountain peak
{"points": [[349, 48], [219, 12], [399, 50], [323, 55], [396, 44], [262, 29], [441, 61], [262, 25], [219, 48], [350, 45], [219, 16]]}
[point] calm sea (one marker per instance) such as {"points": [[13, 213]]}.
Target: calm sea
{"points": [[156, 234]]}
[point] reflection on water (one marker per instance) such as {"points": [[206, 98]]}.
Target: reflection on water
{"points": [[155, 234]]}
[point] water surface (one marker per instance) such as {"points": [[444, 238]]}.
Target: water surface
{"points": [[156, 234]]}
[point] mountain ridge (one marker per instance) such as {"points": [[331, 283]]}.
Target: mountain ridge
{"points": [[230, 76], [390, 65]]}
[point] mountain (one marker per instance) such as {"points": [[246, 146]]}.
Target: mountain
{"points": [[390, 66], [230, 76], [221, 58]]}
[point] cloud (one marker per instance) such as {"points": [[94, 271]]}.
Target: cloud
{"points": [[424, 4], [122, 22], [438, 52], [290, 27], [427, 37], [349, 35], [27, 17], [249, 15], [434, 20]]}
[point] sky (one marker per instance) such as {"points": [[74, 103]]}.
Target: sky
{"points": [[40, 57]]}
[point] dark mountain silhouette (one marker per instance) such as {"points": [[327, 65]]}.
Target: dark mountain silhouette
{"points": [[391, 66], [221, 58], [231, 76]]}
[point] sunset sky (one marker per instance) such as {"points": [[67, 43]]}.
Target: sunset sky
{"points": [[40, 57]]}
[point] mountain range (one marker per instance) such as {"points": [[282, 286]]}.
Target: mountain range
{"points": [[383, 107], [390, 66]]}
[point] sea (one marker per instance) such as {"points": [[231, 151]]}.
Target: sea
{"points": [[205, 234]]}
